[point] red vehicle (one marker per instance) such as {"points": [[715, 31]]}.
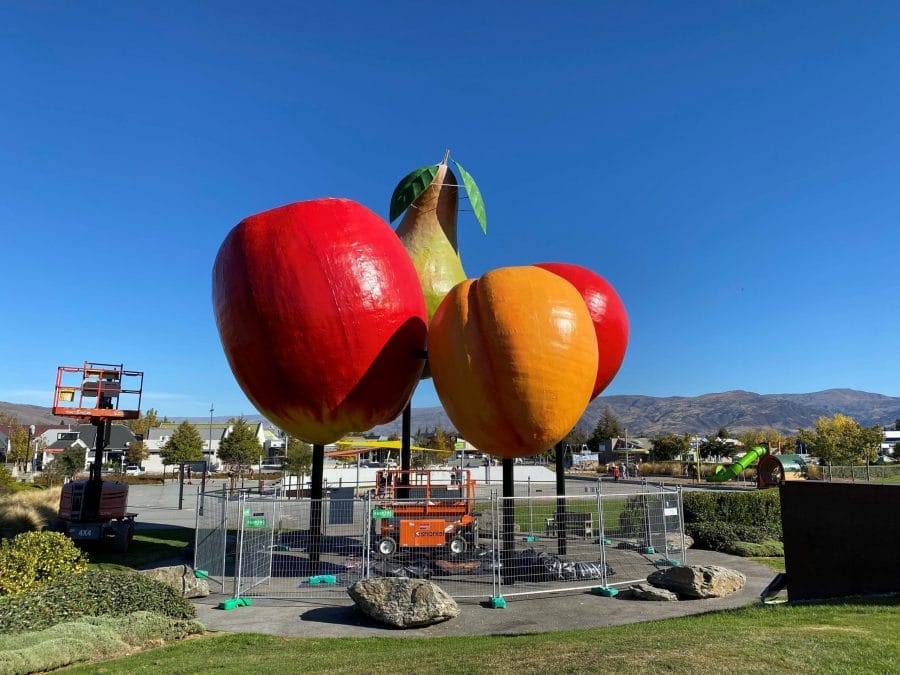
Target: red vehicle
{"points": [[413, 511], [94, 509]]}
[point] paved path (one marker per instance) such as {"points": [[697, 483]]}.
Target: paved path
{"points": [[157, 506], [308, 618]]}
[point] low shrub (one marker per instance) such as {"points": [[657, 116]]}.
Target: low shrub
{"points": [[768, 548], [89, 638], [33, 559], [94, 593], [759, 509]]}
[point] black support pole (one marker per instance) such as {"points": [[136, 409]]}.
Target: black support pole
{"points": [[509, 518], [180, 485], [405, 454], [560, 498], [316, 491]]}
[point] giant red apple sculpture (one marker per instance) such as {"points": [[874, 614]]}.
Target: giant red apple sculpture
{"points": [[321, 316], [608, 314]]}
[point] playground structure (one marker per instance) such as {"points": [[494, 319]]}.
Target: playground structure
{"points": [[412, 511], [95, 509], [772, 469], [733, 470]]}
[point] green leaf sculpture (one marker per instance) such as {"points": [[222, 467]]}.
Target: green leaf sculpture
{"points": [[409, 188], [475, 198]]}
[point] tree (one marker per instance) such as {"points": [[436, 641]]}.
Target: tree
{"points": [[18, 446], [240, 449], [142, 425], [185, 445], [753, 437], [668, 446], [298, 460], [842, 440], [897, 449], [606, 429], [440, 440], [71, 460], [136, 452], [897, 424], [722, 433]]}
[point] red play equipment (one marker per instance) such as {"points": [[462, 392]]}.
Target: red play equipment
{"points": [[94, 509]]}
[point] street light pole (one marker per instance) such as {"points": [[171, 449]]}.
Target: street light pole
{"points": [[211, 408]]}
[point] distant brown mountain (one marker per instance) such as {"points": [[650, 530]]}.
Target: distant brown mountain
{"points": [[650, 415], [734, 410], [30, 414]]}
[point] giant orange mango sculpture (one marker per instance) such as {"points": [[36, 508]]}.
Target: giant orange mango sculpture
{"points": [[514, 358]]}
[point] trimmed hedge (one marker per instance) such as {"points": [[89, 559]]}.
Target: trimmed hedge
{"points": [[94, 593], [718, 521]]}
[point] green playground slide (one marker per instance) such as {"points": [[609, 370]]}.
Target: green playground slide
{"points": [[729, 471]]}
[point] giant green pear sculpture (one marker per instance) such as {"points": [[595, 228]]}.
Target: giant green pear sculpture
{"points": [[430, 197]]}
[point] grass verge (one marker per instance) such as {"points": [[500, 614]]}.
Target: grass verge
{"points": [[148, 546], [843, 637], [776, 564]]}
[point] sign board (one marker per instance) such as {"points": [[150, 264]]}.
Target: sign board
{"points": [[254, 522], [382, 513]]}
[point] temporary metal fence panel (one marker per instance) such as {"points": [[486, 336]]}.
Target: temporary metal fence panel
{"points": [[529, 544], [549, 544], [211, 536], [285, 558], [641, 533]]}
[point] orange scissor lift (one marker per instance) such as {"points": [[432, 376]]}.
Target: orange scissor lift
{"points": [[413, 512], [95, 509]]}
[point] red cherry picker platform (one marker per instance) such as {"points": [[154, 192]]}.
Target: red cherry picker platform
{"points": [[95, 509]]}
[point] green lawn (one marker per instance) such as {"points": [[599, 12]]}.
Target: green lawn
{"points": [[148, 546], [776, 564], [856, 637]]}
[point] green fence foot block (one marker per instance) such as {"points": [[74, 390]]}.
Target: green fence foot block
{"points": [[668, 562], [497, 602], [323, 579], [605, 591], [231, 603], [607, 542], [244, 602], [201, 574], [648, 550], [529, 538]]}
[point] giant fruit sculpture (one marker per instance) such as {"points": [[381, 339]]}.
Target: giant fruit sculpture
{"points": [[608, 314], [514, 357], [321, 317], [430, 197]]}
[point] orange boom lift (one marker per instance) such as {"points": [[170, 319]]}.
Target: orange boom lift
{"points": [[95, 509]]}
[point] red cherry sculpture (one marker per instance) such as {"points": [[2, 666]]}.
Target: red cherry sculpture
{"points": [[609, 316]]}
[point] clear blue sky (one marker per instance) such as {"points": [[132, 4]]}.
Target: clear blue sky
{"points": [[732, 168]]}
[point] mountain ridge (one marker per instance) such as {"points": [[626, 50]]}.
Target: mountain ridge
{"points": [[644, 415]]}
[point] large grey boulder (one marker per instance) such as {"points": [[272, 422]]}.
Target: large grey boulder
{"points": [[181, 578], [673, 541], [699, 581], [648, 592], [402, 602]]}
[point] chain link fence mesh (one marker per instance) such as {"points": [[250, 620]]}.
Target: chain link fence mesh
{"points": [[475, 546]]}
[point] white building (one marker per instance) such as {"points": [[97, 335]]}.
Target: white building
{"points": [[890, 440]]}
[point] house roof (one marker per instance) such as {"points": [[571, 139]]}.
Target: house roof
{"points": [[218, 432], [119, 436]]}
